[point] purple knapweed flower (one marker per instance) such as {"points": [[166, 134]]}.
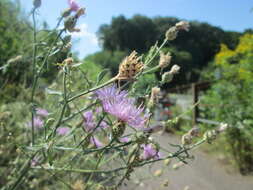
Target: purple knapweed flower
{"points": [[42, 112], [125, 111], [116, 103], [90, 124], [124, 139], [94, 141], [103, 124], [37, 122], [98, 110], [35, 161], [110, 93], [149, 152], [63, 130], [73, 5]]}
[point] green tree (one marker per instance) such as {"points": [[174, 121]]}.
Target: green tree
{"points": [[192, 50], [234, 93]]}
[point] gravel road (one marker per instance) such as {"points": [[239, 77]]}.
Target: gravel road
{"points": [[205, 172]]}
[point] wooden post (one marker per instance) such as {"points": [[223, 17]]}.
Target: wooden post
{"points": [[195, 100]]}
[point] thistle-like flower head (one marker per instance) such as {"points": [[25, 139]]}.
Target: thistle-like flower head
{"points": [[117, 103], [149, 152], [37, 122], [110, 93], [63, 130], [73, 5], [97, 143], [42, 112], [90, 124]]}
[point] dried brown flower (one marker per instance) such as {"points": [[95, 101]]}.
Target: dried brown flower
{"points": [[130, 67]]}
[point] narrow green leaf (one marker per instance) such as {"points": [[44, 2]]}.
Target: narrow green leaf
{"points": [[101, 75]]}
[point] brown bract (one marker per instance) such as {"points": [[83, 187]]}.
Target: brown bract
{"points": [[130, 67]]}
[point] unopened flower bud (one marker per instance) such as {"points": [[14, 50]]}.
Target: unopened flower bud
{"points": [[80, 12], [165, 60], [66, 12], [171, 34], [155, 96], [194, 132], [183, 25], [70, 23], [223, 127], [186, 139], [118, 130], [36, 3], [175, 69], [167, 77], [210, 136]]}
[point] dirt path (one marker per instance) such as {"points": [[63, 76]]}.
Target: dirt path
{"points": [[203, 173]]}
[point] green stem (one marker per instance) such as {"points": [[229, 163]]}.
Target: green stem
{"points": [[92, 89], [26, 167], [33, 72], [152, 70], [158, 50], [65, 101]]}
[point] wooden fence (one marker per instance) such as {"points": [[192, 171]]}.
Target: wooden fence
{"points": [[196, 88]]}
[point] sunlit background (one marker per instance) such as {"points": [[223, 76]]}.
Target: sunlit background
{"points": [[228, 14]]}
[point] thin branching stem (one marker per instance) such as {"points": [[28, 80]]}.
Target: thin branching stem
{"points": [[33, 71]]}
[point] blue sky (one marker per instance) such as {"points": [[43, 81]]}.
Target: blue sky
{"points": [[227, 14]]}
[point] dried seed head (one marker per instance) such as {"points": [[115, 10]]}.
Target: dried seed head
{"points": [[130, 67], [79, 185], [69, 61], [174, 69], [165, 60], [155, 96], [155, 93], [183, 25], [168, 76], [171, 34]]}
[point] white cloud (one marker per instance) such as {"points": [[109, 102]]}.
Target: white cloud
{"points": [[84, 34]]}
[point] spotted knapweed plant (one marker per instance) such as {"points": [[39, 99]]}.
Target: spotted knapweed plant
{"points": [[95, 136]]}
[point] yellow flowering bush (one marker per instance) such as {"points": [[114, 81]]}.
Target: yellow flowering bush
{"points": [[233, 91]]}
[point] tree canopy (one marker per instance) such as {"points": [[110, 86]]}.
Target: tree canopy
{"points": [[191, 50]]}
